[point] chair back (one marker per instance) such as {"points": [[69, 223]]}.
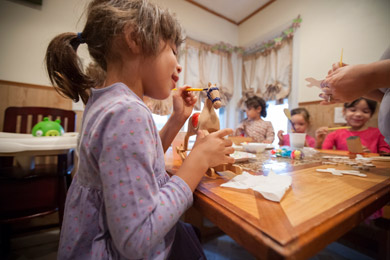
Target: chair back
{"points": [[41, 190], [22, 119]]}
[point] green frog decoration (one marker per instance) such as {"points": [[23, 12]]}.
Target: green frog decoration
{"points": [[48, 128]]}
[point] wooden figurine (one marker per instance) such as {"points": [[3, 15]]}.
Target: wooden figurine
{"points": [[206, 120]]}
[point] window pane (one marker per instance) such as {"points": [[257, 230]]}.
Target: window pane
{"points": [[160, 121], [277, 117]]}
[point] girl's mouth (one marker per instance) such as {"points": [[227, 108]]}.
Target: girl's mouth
{"points": [[175, 78]]}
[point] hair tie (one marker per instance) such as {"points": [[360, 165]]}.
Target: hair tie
{"points": [[80, 38]]}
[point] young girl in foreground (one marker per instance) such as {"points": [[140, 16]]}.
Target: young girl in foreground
{"points": [[254, 126], [121, 203], [356, 113], [300, 119]]}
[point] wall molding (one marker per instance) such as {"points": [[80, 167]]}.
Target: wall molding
{"points": [[309, 103], [25, 85]]}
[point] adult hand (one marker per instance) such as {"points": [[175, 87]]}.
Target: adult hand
{"points": [[346, 83]]}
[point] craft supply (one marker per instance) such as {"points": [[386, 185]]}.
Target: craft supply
{"points": [[354, 145], [380, 158], [288, 153], [313, 82], [341, 58], [296, 154], [342, 172], [288, 115], [193, 89], [207, 119], [336, 128]]}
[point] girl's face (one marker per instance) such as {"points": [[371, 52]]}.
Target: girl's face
{"points": [[299, 123], [358, 115], [253, 113], [161, 73]]}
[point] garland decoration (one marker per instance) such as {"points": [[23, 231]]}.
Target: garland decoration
{"points": [[263, 47], [276, 42]]}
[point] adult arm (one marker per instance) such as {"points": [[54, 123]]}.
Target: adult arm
{"points": [[350, 82]]}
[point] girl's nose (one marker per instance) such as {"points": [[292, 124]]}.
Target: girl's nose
{"points": [[179, 68]]}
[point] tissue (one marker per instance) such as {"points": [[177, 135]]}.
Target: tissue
{"points": [[272, 187]]}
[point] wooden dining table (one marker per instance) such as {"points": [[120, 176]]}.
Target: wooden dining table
{"points": [[315, 211]]}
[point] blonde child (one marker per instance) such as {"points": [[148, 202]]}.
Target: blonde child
{"points": [[121, 203], [356, 113], [254, 126], [300, 119]]}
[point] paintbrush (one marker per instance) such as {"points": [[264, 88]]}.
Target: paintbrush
{"points": [[288, 114], [341, 58], [193, 89], [339, 127]]}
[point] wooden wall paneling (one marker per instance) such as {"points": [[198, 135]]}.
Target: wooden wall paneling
{"points": [[20, 94]]}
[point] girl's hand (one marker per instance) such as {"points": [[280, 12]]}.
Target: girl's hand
{"points": [[280, 136], [183, 103], [320, 136], [321, 132], [365, 149], [214, 147]]}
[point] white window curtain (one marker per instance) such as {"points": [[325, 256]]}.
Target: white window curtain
{"points": [[267, 74]]}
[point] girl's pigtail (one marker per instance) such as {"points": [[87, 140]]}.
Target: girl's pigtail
{"points": [[65, 69]]}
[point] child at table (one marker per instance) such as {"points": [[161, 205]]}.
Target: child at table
{"points": [[254, 126], [122, 204], [300, 119], [356, 113]]}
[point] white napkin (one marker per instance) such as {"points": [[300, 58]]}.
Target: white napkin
{"points": [[272, 187]]}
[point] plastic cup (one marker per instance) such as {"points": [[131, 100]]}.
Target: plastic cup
{"points": [[297, 140]]}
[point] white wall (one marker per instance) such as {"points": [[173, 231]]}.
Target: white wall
{"points": [[26, 30], [360, 27]]}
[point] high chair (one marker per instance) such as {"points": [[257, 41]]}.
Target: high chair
{"points": [[39, 191]]}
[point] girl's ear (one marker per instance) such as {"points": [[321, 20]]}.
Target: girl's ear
{"points": [[128, 34]]}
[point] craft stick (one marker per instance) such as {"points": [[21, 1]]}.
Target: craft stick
{"points": [[340, 127], [193, 89], [341, 58]]}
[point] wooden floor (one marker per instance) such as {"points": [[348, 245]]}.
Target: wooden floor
{"points": [[42, 245]]}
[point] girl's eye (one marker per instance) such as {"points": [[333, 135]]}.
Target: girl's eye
{"points": [[174, 52]]}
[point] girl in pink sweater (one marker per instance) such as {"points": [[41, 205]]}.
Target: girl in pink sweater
{"points": [[356, 113], [300, 118]]}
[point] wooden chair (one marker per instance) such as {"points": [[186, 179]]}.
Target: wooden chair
{"points": [[42, 190]]}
